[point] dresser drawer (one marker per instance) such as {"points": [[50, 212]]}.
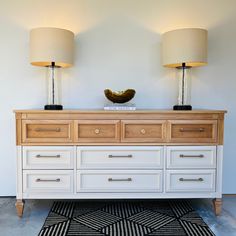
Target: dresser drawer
{"points": [[47, 131], [190, 181], [193, 131], [119, 157], [119, 181], [97, 131], [138, 131], [181, 157], [45, 157], [48, 181]]}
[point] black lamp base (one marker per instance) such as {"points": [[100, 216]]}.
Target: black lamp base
{"points": [[182, 107], [53, 107]]}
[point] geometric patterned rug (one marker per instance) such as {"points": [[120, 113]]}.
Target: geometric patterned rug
{"points": [[124, 218]]}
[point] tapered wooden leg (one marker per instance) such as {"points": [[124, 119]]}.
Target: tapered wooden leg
{"points": [[217, 204], [19, 207]]}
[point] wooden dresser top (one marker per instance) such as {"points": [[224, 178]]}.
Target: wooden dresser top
{"points": [[101, 114], [136, 111]]}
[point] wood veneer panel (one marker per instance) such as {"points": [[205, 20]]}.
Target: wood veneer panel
{"points": [[154, 135], [142, 131], [193, 131], [43, 131], [97, 131]]}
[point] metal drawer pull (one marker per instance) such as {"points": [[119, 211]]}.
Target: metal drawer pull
{"points": [[197, 180], [191, 130], [48, 180], [45, 156], [48, 130], [197, 156], [111, 179], [120, 156]]}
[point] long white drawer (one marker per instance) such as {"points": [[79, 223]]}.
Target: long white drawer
{"points": [[190, 180], [119, 181], [48, 181], [182, 157], [45, 157], [119, 157]]}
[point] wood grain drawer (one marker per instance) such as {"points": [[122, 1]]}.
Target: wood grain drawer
{"points": [[119, 181], [193, 131], [48, 181], [45, 157], [47, 131], [190, 181], [195, 157], [119, 157], [97, 131], [142, 131]]}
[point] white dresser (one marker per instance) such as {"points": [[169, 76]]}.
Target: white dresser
{"points": [[74, 154]]}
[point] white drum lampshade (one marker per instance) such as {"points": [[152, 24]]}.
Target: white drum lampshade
{"points": [[52, 48], [184, 48]]}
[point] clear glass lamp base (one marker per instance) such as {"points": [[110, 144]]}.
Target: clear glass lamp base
{"points": [[54, 87], [184, 98]]}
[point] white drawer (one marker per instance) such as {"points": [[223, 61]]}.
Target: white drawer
{"points": [[119, 181], [119, 157], [191, 157], [48, 181], [45, 157], [190, 181]]}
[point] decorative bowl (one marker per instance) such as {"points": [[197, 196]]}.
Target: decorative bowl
{"points": [[120, 96]]}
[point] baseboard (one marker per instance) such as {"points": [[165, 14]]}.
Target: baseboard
{"points": [[224, 195], [229, 195], [7, 196]]}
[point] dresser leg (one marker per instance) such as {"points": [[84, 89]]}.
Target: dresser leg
{"points": [[19, 207], [217, 204]]}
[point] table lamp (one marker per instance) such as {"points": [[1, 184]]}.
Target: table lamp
{"points": [[52, 48], [183, 49]]}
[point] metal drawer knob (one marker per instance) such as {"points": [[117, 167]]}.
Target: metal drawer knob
{"points": [[143, 131], [97, 131]]}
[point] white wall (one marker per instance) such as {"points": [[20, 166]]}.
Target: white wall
{"points": [[118, 47]]}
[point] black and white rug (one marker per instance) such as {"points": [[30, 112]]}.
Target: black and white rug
{"points": [[124, 218]]}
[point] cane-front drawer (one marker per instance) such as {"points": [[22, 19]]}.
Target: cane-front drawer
{"points": [[46, 157], [97, 131], [192, 157], [125, 157], [193, 131], [119, 181], [48, 181], [47, 131], [143, 131], [190, 180]]}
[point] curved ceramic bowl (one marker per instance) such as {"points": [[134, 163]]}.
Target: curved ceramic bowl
{"points": [[119, 97]]}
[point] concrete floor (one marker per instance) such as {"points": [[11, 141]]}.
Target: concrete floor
{"points": [[36, 211]]}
